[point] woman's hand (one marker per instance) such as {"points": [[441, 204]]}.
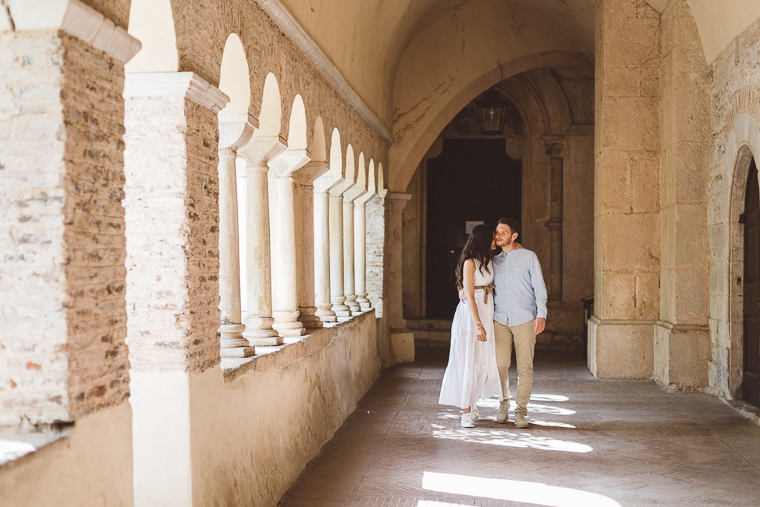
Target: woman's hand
{"points": [[481, 332], [517, 245]]}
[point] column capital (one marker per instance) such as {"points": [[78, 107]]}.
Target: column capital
{"points": [[74, 18], [236, 130], [307, 175], [288, 162], [175, 84], [554, 145], [261, 150]]}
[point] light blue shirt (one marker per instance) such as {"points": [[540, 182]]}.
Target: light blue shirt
{"points": [[520, 290]]}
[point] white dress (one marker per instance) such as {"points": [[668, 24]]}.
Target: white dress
{"points": [[472, 372]]}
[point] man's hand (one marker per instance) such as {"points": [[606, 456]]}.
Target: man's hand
{"points": [[538, 325], [462, 295]]}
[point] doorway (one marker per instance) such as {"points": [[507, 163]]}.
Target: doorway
{"points": [[473, 181], [751, 328]]}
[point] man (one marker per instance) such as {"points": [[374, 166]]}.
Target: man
{"points": [[519, 315]]}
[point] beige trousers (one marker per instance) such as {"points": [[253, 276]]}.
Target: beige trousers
{"points": [[524, 340]]}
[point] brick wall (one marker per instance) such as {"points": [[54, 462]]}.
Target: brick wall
{"points": [[62, 276], [172, 194]]}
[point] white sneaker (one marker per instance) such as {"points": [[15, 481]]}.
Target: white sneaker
{"points": [[475, 412], [503, 414], [520, 421], [467, 420]]}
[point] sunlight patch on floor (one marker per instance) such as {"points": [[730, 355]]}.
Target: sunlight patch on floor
{"points": [[510, 439], [536, 493]]}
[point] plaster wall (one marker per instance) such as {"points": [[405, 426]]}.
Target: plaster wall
{"points": [[736, 137], [240, 435], [91, 464]]}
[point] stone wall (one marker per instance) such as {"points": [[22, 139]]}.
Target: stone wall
{"points": [[63, 271], [736, 137]]}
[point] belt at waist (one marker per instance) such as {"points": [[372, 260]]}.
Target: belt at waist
{"points": [[488, 289]]}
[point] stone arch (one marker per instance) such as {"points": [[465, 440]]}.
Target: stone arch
{"points": [[235, 78], [408, 158], [371, 185], [742, 146], [270, 118], [380, 177], [361, 173], [350, 174], [336, 155], [152, 23], [297, 138], [318, 143]]}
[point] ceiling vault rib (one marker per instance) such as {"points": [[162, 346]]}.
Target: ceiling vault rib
{"points": [[293, 29]]}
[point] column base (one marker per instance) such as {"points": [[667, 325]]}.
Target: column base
{"points": [[238, 352], [287, 324], [325, 314], [364, 303], [352, 304], [308, 317], [232, 336], [340, 310], [621, 349], [258, 331]]}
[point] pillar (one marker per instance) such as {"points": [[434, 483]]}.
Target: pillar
{"points": [[337, 287], [626, 191], [349, 268], [322, 186], [258, 322], [682, 347], [360, 242], [232, 343], [284, 247], [554, 146], [63, 276], [310, 251], [402, 340]]}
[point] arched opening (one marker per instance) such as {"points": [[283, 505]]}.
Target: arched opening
{"points": [[472, 181], [538, 171], [751, 290]]}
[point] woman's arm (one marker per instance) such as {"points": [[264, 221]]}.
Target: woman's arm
{"points": [[469, 290]]}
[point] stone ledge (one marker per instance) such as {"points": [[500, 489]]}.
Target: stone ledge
{"points": [[15, 444], [279, 356]]}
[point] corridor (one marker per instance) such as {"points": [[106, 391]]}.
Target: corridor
{"points": [[591, 442]]}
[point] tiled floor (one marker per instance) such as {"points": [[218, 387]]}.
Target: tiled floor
{"points": [[592, 442]]}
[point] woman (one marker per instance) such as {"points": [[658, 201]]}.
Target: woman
{"points": [[472, 372]]}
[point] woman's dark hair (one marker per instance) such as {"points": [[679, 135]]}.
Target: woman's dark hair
{"points": [[478, 247]]}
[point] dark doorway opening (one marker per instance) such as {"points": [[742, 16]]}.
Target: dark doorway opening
{"points": [[472, 181], [751, 218]]}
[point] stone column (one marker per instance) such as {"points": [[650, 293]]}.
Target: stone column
{"points": [[231, 134], [308, 261], [284, 247], [626, 191], [258, 321], [349, 282], [322, 186], [554, 146], [360, 242], [337, 288]]}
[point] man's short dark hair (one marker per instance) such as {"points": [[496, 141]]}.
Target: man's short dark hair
{"points": [[512, 224]]}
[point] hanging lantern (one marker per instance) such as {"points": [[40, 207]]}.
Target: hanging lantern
{"points": [[492, 114]]}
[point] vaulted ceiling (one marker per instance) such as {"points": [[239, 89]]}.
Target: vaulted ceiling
{"points": [[366, 39]]}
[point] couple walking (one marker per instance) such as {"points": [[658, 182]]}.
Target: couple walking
{"points": [[502, 303]]}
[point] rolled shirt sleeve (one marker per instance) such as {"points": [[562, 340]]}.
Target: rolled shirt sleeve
{"points": [[539, 287]]}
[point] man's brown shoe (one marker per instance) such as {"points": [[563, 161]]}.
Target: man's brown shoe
{"points": [[520, 421]]}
